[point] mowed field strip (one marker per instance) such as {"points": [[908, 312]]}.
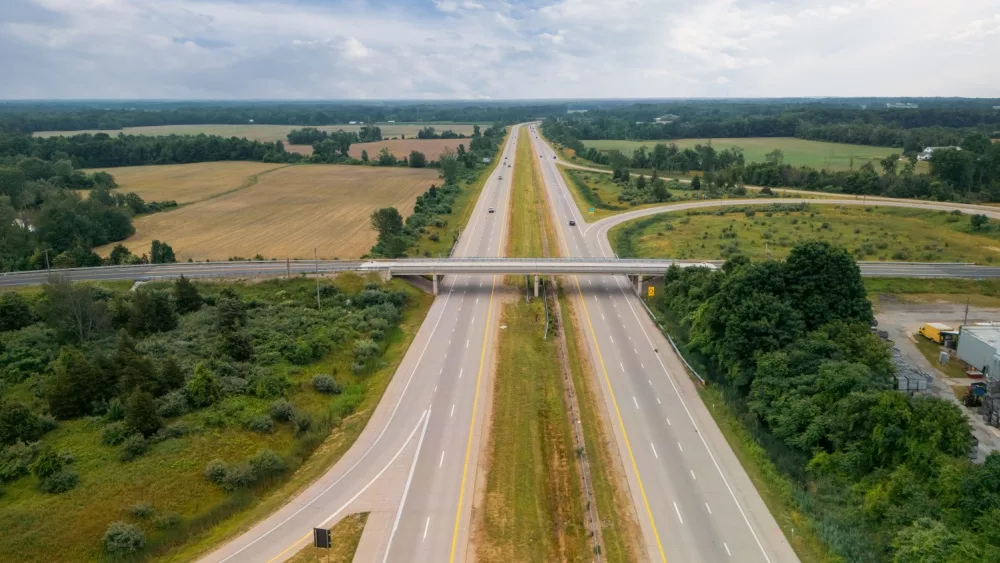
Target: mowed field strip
{"points": [[798, 152], [269, 133], [186, 183], [286, 213]]}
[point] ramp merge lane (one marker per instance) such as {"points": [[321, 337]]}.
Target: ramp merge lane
{"points": [[412, 463], [695, 503]]}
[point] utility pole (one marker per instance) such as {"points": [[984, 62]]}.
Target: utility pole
{"points": [[288, 268], [47, 268], [316, 261]]}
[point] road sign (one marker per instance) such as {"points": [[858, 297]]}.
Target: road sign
{"points": [[321, 538], [591, 210], [650, 291]]}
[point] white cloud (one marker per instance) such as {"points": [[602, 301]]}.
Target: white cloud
{"points": [[496, 48]]}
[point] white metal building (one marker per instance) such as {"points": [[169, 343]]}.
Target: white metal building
{"points": [[979, 346]]}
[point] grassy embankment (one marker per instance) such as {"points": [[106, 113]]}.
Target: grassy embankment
{"points": [[461, 210], [978, 293], [344, 537], [873, 233]]}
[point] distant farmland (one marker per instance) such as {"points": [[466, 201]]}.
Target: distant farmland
{"points": [[186, 183], [285, 214], [269, 133], [798, 152], [432, 148]]}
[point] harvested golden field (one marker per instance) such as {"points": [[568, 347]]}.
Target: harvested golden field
{"points": [[286, 214], [186, 183], [269, 133], [432, 148]]}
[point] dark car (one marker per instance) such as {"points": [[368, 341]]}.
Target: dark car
{"points": [[572, 222]]}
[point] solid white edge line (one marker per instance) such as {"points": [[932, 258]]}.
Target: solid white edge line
{"points": [[678, 510], [378, 438], [406, 488]]}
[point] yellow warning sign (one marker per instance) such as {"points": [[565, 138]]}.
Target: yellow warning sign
{"points": [[650, 291]]}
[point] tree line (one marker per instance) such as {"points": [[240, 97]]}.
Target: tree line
{"points": [[45, 222], [396, 235], [885, 475]]}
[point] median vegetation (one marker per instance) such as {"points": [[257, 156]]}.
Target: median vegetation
{"points": [[875, 474], [161, 420]]}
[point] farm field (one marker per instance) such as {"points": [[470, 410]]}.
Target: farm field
{"points": [[269, 133], [890, 234], [432, 148], [186, 183], [798, 152], [286, 213]]}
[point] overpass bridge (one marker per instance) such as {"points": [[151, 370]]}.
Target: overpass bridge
{"points": [[436, 267]]}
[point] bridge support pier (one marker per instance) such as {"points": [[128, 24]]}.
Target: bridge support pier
{"points": [[434, 283], [387, 275], [536, 285], [638, 285]]}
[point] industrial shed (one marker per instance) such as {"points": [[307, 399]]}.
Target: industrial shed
{"points": [[979, 347]]}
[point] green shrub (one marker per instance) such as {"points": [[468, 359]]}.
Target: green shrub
{"points": [[133, 447], [301, 421], [15, 461], [114, 434], [116, 410], [173, 431], [326, 384], [215, 471], [267, 463], [261, 424], [282, 410], [48, 462], [59, 482], [141, 510], [167, 521], [239, 476], [172, 404], [123, 539]]}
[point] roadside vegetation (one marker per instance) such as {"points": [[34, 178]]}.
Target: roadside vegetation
{"points": [[344, 536], [868, 233], [875, 474], [158, 422], [981, 293]]}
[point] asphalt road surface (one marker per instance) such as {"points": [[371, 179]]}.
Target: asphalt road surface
{"points": [[694, 500], [429, 420]]}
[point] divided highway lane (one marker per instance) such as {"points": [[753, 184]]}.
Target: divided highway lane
{"points": [[429, 419], [695, 502]]}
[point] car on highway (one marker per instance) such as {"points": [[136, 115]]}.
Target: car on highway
{"points": [[572, 222], [492, 210], [501, 177]]}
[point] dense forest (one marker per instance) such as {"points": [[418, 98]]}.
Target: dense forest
{"points": [[885, 476]]}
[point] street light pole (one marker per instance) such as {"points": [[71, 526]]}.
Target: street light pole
{"points": [[316, 261]]}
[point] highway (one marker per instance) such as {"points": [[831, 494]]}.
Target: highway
{"points": [[428, 422], [694, 500]]}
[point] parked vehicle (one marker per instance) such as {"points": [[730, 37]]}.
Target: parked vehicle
{"points": [[937, 332]]}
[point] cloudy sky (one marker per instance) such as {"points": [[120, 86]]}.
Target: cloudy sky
{"points": [[378, 49]]}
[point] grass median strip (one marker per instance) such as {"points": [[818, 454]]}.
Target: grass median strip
{"points": [[344, 536]]}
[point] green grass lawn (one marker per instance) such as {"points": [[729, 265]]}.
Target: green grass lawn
{"points": [[873, 233], [798, 152], [190, 514], [931, 351]]}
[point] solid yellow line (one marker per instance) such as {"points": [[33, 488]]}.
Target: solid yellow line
{"points": [[479, 376], [297, 542], [472, 423], [614, 401]]}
